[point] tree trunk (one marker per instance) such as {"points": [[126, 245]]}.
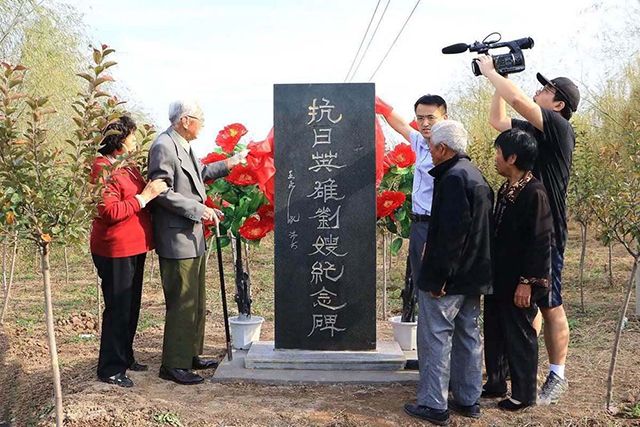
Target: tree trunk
{"points": [[384, 275], [66, 266], [8, 290], [4, 266], [98, 304], [616, 342], [53, 351], [583, 251], [610, 265], [36, 261]]}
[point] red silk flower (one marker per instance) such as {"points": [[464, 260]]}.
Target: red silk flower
{"points": [[242, 175], [229, 136], [402, 156], [265, 212], [209, 224], [213, 157], [389, 201], [254, 229]]}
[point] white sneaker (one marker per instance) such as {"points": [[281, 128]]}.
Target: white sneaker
{"points": [[552, 389]]}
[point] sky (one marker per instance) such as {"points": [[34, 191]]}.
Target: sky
{"points": [[228, 54]]}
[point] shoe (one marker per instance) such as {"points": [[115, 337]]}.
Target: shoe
{"points": [[510, 405], [552, 389], [200, 363], [138, 367], [488, 393], [121, 380], [434, 416], [180, 376], [471, 411], [411, 365]]}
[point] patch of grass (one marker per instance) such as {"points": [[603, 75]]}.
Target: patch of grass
{"points": [[167, 418], [148, 320], [632, 411], [573, 323]]}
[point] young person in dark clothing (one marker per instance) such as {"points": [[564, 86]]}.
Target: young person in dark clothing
{"points": [[547, 119], [522, 263]]}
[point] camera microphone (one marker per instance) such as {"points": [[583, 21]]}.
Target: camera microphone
{"points": [[455, 48]]}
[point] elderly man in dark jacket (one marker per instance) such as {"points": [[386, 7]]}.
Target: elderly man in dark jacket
{"points": [[456, 271]]}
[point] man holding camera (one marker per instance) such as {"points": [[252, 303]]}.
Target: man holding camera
{"points": [[547, 119]]}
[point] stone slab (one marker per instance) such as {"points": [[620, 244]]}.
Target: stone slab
{"points": [[234, 372], [386, 357]]}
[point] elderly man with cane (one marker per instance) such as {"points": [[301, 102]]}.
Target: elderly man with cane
{"points": [[179, 234]]}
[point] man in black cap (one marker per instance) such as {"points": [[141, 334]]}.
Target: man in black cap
{"points": [[547, 119]]}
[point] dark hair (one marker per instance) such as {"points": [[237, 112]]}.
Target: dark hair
{"points": [[566, 111], [113, 142], [429, 99], [522, 144]]}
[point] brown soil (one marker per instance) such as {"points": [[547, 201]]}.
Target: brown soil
{"points": [[25, 379]]}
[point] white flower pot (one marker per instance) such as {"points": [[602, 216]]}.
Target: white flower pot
{"points": [[244, 331], [405, 333]]}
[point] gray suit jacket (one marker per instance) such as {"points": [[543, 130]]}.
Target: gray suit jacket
{"points": [[177, 213]]}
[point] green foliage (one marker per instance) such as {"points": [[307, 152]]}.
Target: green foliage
{"points": [[167, 418], [471, 107]]}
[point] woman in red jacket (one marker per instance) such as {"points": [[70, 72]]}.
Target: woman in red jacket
{"points": [[121, 236]]}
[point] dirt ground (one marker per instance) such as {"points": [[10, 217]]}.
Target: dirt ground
{"points": [[25, 378]]}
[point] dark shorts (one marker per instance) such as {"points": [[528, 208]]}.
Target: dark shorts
{"points": [[554, 298]]}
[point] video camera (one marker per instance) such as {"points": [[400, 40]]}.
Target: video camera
{"points": [[507, 63]]}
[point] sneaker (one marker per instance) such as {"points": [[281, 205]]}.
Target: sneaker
{"points": [[434, 416], [552, 389]]}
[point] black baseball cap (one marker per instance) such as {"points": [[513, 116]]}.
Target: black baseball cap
{"points": [[565, 87]]}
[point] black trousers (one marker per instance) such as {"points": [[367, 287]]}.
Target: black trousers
{"points": [[511, 347], [122, 291]]}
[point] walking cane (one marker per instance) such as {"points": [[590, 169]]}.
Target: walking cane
{"points": [[223, 291]]}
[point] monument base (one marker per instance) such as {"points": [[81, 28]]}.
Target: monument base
{"points": [[386, 357], [234, 371]]}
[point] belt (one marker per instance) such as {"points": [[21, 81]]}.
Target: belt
{"points": [[419, 218]]}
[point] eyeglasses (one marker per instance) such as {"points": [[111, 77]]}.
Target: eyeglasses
{"points": [[429, 118], [548, 88], [201, 120]]}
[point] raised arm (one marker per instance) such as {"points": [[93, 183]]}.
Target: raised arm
{"points": [[510, 93], [393, 118]]}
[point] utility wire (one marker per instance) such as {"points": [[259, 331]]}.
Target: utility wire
{"points": [[394, 40], [366, 49], [362, 41]]}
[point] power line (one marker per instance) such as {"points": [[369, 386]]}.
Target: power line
{"points": [[366, 49], [362, 41], [394, 40]]}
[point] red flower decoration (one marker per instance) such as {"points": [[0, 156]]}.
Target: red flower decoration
{"points": [[213, 157], [265, 212], [242, 175], [388, 202], [402, 156], [254, 229], [414, 125], [229, 136]]}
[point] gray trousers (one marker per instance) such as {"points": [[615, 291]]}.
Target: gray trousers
{"points": [[449, 350], [417, 241]]}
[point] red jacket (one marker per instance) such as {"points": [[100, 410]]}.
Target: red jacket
{"points": [[121, 228]]}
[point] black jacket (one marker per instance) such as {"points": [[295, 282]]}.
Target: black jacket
{"points": [[523, 239], [458, 250]]}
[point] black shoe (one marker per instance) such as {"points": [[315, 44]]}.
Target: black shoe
{"points": [[200, 363], [509, 405], [411, 365], [434, 416], [138, 367], [121, 380], [488, 392], [471, 411], [180, 376]]}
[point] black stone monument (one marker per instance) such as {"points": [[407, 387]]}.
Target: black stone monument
{"points": [[325, 217]]}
